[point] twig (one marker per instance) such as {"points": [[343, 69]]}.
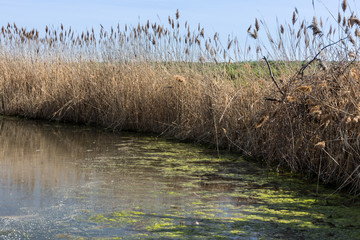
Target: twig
{"points": [[302, 69], [227, 105], [272, 99], [216, 138], [351, 63], [343, 184], [272, 76], [318, 177], [242, 149]]}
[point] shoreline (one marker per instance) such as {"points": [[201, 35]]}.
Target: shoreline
{"points": [[190, 105]]}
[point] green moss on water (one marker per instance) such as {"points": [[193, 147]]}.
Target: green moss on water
{"points": [[194, 194], [311, 221], [229, 198]]}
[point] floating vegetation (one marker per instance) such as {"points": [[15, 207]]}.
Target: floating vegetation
{"points": [[276, 101], [141, 187], [233, 198]]}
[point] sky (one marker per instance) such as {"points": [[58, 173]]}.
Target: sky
{"points": [[225, 17]]}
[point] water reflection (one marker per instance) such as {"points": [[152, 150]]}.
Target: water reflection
{"points": [[48, 172], [60, 181]]}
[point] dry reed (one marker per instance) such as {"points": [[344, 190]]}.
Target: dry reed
{"points": [[178, 82]]}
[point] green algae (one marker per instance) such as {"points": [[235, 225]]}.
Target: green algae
{"points": [[186, 191], [229, 197]]}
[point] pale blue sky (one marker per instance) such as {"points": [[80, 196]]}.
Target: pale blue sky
{"points": [[226, 16]]}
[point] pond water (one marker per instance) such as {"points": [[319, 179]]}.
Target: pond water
{"points": [[71, 182]]}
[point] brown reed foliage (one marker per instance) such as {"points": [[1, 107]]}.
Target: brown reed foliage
{"points": [[178, 82]]}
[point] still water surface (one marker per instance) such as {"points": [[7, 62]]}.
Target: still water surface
{"points": [[71, 182]]}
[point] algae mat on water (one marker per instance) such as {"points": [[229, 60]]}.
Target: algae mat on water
{"points": [[229, 198], [69, 182]]}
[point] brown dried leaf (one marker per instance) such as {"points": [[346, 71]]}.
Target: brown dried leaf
{"points": [[179, 78], [320, 145], [306, 89], [262, 121]]}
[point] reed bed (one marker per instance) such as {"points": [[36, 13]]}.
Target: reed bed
{"points": [[300, 111]]}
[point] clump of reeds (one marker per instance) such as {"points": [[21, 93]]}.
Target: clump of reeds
{"points": [[312, 118], [300, 110]]}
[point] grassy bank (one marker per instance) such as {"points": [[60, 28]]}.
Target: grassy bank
{"points": [[176, 81]]}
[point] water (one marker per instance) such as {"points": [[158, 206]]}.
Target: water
{"points": [[70, 182]]}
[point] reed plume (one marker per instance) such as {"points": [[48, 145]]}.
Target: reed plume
{"points": [[179, 82]]}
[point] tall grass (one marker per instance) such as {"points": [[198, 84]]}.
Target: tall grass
{"points": [[302, 113]]}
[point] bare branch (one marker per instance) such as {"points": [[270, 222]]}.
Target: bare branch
{"points": [[272, 76], [272, 99], [302, 69]]}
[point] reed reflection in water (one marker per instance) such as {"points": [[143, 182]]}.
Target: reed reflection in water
{"points": [[48, 172]]}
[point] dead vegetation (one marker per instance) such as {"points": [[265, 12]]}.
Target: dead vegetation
{"points": [[301, 111]]}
